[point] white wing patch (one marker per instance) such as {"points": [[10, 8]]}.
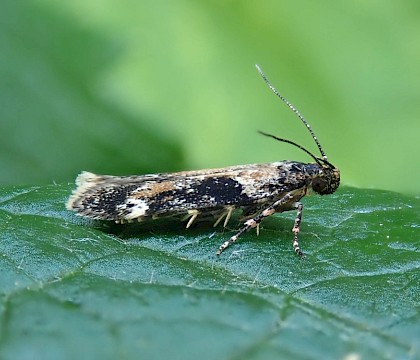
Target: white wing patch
{"points": [[137, 208]]}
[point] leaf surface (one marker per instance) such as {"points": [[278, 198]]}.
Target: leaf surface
{"points": [[72, 288]]}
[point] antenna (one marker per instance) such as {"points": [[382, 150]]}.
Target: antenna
{"points": [[317, 159], [324, 157]]}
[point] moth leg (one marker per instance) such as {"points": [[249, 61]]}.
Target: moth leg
{"points": [[192, 215], [254, 222], [296, 229], [226, 214]]}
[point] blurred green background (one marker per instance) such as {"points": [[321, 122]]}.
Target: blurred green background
{"points": [[133, 87]]}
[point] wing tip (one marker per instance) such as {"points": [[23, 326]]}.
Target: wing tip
{"points": [[84, 181]]}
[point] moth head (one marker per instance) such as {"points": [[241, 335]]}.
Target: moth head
{"points": [[327, 180]]}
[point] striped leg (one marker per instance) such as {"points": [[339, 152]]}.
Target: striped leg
{"points": [[254, 222], [296, 229]]}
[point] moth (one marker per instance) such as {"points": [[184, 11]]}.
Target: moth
{"points": [[258, 190]]}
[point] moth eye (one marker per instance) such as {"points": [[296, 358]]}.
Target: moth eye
{"points": [[319, 185]]}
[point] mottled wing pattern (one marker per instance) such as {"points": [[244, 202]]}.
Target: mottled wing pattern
{"points": [[248, 187]]}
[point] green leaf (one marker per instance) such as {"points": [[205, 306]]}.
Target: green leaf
{"points": [[72, 288]]}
